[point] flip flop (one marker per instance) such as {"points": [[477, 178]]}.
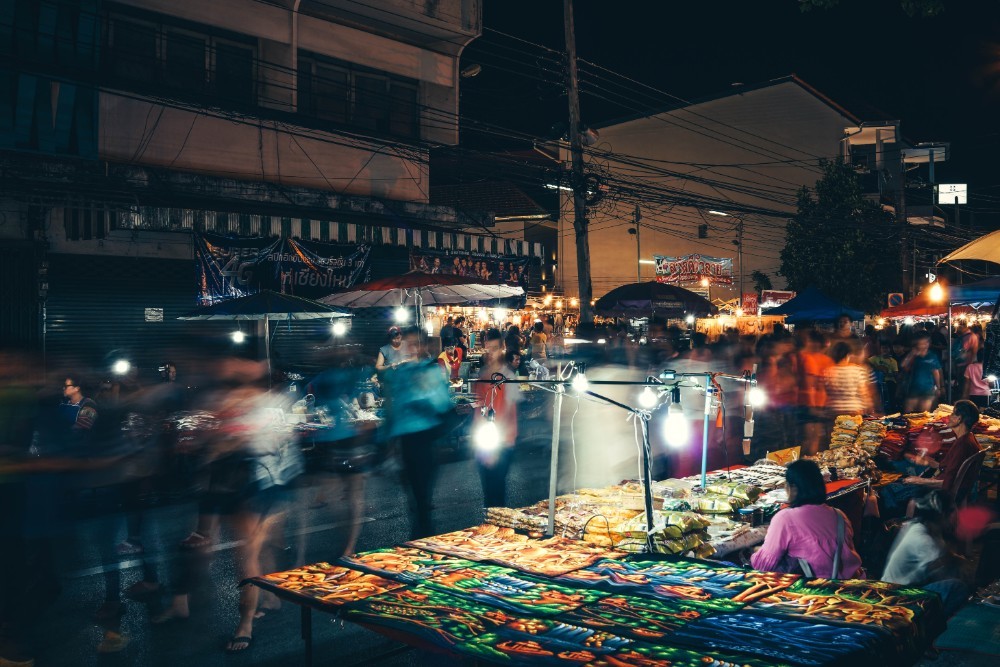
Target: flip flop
{"points": [[239, 640]]}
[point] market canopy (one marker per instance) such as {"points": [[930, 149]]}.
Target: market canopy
{"points": [[652, 298], [963, 299], [811, 305], [418, 289], [266, 305], [986, 248]]}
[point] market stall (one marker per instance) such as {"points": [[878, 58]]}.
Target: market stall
{"points": [[494, 595]]}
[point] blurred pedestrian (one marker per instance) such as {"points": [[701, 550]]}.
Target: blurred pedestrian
{"points": [[849, 386], [921, 376], [494, 455]]}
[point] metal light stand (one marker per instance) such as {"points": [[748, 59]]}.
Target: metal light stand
{"points": [[559, 388]]}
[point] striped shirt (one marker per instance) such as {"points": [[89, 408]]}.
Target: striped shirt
{"points": [[847, 389]]}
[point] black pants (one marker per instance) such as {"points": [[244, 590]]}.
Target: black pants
{"points": [[419, 473], [494, 478]]}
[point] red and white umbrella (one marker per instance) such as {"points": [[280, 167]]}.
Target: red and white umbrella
{"points": [[419, 289]]}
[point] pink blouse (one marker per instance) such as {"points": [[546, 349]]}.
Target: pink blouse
{"points": [[808, 532]]}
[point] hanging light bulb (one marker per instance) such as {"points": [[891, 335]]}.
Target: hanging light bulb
{"points": [[648, 398], [401, 314], [676, 429], [487, 436], [121, 367], [580, 384], [689, 319], [757, 396], [238, 337], [338, 328]]}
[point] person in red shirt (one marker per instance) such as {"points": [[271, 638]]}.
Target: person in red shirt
{"points": [[450, 359], [494, 461], [812, 392], [964, 416]]}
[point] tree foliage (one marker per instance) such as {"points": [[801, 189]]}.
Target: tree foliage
{"points": [[761, 281], [840, 242], [921, 8]]}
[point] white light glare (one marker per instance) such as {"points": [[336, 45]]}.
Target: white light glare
{"points": [[991, 378], [338, 328], [121, 367], [580, 384], [238, 337], [648, 398], [676, 430], [689, 319], [487, 437], [500, 314], [429, 327], [758, 398], [401, 314], [909, 321]]}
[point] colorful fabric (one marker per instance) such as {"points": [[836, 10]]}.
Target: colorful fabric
{"points": [[404, 563], [633, 617], [511, 591], [550, 557], [800, 642], [429, 615], [325, 584], [718, 587]]}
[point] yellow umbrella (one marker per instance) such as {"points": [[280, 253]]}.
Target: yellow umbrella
{"points": [[986, 248]]}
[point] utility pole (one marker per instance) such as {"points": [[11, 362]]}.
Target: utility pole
{"points": [[739, 253], [638, 246], [577, 178]]}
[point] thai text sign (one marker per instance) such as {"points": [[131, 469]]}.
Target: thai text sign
{"points": [[227, 268], [772, 298], [694, 268]]}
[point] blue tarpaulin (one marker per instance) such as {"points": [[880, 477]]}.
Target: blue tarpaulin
{"points": [[811, 305]]}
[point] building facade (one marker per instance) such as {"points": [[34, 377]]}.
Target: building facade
{"points": [[128, 128]]}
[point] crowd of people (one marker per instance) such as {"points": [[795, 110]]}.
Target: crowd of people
{"points": [[103, 454]]}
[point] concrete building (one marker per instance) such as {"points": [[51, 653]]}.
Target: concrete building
{"points": [[127, 127], [705, 172]]}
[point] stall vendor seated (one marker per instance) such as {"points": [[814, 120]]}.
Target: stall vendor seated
{"points": [[963, 445], [808, 536]]}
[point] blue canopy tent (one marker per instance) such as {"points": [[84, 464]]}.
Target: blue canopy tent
{"points": [[977, 294], [811, 305]]}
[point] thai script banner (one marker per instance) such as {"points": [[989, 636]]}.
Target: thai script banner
{"points": [[694, 268], [504, 269], [228, 267]]}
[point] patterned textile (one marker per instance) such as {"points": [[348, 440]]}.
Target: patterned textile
{"points": [[404, 563], [325, 584], [512, 591], [503, 546], [797, 641], [724, 588], [429, 615], [671, 612]]}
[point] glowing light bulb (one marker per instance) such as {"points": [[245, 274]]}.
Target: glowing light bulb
{"points": [[937, 292], [487, 436], [338, 328], [757, 396], [689, 319], [580, 384], [401, 314], [648, 398], [991, 378], [909, 321], [238, 337], [121, 367], [676, 429]]}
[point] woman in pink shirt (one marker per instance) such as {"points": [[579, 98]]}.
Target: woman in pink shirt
{"points": [[807, 530]]}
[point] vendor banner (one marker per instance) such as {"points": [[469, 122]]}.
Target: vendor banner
{"points": [[694, 268], [230, 267], [772, 298], [491, 268]]}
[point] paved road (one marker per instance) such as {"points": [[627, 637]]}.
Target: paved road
{"points": [[70, 636]]}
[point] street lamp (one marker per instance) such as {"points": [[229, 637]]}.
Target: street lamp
{"points": [[938, 294]]}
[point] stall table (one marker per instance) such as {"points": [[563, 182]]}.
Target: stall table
{"points": [[491, 595]]}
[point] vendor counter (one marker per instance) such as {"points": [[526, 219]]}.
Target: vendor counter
{"points": [[493, 595]]}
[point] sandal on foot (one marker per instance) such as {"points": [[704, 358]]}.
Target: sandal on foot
{"points": [[239, 640], [113, 642], [195, 541]]}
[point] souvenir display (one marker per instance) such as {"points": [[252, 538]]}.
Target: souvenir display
{"points": [[404, 564], [512, 591], [429, 615], [326, 584], [504, 546]]}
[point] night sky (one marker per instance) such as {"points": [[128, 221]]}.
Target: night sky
{"points": [[939, 76]]}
